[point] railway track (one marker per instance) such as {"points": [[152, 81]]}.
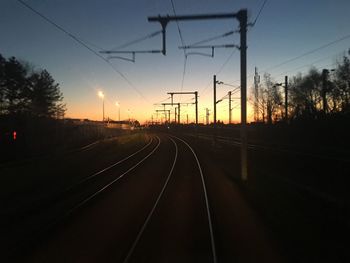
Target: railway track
{"points": [[178, 202], [51, 212], [284, 150], [134, 253]]}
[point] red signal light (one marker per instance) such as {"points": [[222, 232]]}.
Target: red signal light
{"points": [[14, 135]]}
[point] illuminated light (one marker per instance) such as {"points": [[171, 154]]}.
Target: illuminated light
{"points": [[14, 134], [100, 94]]}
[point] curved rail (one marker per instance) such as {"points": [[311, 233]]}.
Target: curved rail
{"points": [[142, 229], [134, 244], [93, 195], [115, 180], [108, 167], [213, 247]]}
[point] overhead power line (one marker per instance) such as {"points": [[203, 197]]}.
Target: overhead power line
{"points": [[82, 43], [183, 44], [177, 23], [205, 90], [309, 52], [137, 40], [262, 7], [214, 38], [301, 56]]}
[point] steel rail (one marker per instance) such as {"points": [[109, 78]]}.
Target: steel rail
{"points": [[213, 247], [108, 167], [59, 218], [138, 237], [255, 146], [96, 193], [312, 191]]}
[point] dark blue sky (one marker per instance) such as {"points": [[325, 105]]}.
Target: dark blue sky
{"points": [[285, 29]]}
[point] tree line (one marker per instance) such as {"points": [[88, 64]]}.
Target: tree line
{"points": [[28, 92], [315, 95]]}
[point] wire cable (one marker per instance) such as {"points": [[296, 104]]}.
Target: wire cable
{"points": [[309, 52], [137, 40], [183, 44], [205, 90], [302, 55], [214, 38], [82, 43], [262, 7]]}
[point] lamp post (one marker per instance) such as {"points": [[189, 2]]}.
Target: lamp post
{"points": [[129, 114], [118, 105], [102, 96]]}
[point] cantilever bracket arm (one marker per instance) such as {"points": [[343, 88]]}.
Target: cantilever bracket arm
{"points": [[132, 59], [164, 20], [206, 47], [210, 46], [133, 52]]}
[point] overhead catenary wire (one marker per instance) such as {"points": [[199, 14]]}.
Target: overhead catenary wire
{"points": [[309, 52], [311, 64], [301, 56], [205, 90], [138, 40], [183, 44], [261, 9], [83, 44], [214, 38]]}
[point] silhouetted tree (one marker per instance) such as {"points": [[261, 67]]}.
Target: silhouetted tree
{"points": [[272, 98], [45, 98], [341, 92], [15, 86], [27, 91], [2, 83]]}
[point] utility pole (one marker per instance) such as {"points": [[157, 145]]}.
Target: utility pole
{"points": [[214, 87], [190, 92], [325, 73], [187, 117], [178, 113], [242, 17], [175, 117], [103, 109], [215, 102], [229, 107], [286, 98], [207, 115], [165, 114], [256, 94], [196, 102]]}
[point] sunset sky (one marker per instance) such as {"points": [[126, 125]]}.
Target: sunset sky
{"points": [[285, 29]]}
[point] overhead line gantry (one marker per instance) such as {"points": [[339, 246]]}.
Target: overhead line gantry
{"points": [[241, 16]]}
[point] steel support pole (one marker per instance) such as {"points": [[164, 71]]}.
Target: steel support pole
{"points": [[196, 102], [286, 98], [242, 17], [229, 108], [214, 90], [103, 109], [175, 117]]}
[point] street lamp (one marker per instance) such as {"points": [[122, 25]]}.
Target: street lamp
{"points": [[102, 96], [118, 105], [129, 112]]}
